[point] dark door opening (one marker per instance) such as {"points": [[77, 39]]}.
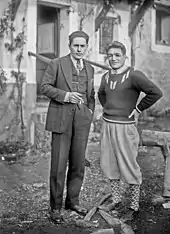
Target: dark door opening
{"points": [[47, 39]]}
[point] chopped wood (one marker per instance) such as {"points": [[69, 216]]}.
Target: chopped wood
{"points": [[156, 139], [86, 224], [126, 229], [109, 219], [104, 231], [116, 223], [93, 210]]}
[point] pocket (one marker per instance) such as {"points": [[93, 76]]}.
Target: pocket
{"points": [[58, 118], [132, 131], [53, 118]]}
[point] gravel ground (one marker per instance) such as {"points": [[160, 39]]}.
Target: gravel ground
{"points": [[24, 195]]}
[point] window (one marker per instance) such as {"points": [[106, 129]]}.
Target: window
{"points": [[106, 34], [163, 26]]}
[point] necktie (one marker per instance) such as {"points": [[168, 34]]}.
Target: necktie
{"points": [[78, 66]]}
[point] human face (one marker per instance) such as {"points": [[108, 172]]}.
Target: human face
{"points": [[116, 58], [78, 47]]}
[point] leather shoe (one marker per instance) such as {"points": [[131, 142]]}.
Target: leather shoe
{"points": [[80, 210], [56, 216]]}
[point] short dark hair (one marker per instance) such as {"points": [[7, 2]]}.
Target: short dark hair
{"points": [[78, 34], [116, 44]]}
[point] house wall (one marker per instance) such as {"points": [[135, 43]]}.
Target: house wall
{"points": [[70, 15], [154, 61]]}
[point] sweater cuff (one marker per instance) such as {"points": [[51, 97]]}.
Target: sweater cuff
{"points": [[138, 110]]}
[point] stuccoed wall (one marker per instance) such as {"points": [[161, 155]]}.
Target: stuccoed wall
{"points": [[155, 64]]}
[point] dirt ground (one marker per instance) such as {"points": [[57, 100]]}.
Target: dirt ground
{"points": [[24, 195]]}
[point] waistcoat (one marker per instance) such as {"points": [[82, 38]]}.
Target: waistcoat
{"points": [[79, 82]]}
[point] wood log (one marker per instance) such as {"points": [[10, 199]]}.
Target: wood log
{"points": [[118, 224], [47, 60], [154, 138], [166, 186], [92, 211]]}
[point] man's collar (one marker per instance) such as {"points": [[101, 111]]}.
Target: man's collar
{"points": [[120, 70], [75, 61]]}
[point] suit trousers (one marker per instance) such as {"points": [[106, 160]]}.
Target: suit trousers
{"points": [[69, 148]]}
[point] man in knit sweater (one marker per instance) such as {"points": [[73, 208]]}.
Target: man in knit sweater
{"points": [[118, 94]]}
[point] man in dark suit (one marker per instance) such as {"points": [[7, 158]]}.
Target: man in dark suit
{"points": [[69, 83]]}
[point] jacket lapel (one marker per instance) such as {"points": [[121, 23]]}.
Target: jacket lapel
{"points": [[66, 66], [89, 77]]}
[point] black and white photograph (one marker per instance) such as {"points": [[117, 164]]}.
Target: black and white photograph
{"points": [[84, 116]]}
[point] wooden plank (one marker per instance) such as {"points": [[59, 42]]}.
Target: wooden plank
{"points": [[166, 187], [40, 57], [47, 60], [139, 13], [162, 140], [92, 211], [101, 16], [155, 138], [15, 5]]}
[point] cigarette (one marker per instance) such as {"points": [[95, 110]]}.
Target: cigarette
{"points": [[81, 101]]}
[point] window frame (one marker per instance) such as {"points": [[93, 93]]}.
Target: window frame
{"points": [[101, 49], [158, 47]]}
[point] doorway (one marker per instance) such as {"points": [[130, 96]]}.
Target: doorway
{"points": [[47, 39]]}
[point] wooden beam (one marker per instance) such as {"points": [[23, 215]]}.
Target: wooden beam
{"points": [[137, 16], [101, 16], [98, 65], [162, 140], [40, 57], [47, 60], [15, 5]]}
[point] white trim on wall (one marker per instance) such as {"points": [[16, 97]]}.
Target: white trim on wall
{"points": [[154, 46], [31, 40], [55, 3]]}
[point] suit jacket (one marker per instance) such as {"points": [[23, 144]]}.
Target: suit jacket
{"points": [[57, 80]]}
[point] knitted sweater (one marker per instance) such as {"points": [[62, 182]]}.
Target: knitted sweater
{"points": [[118, 94]]}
